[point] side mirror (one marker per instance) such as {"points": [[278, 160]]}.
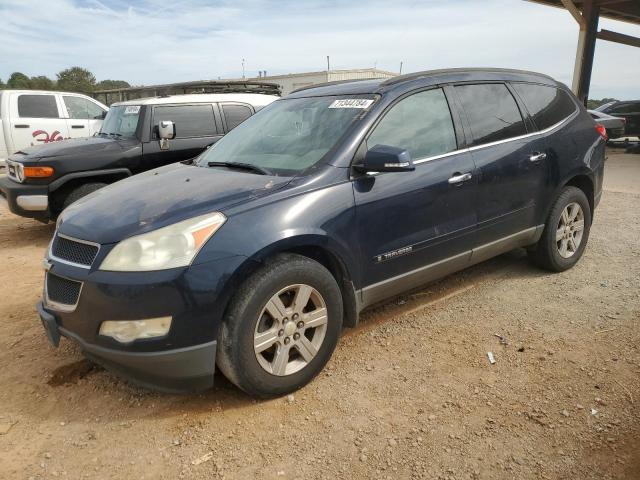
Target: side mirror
{"points": [[385, 158], [166, 130]]}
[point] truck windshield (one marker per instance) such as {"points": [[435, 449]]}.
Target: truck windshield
{"points": [[121, 121], [289, 135]]}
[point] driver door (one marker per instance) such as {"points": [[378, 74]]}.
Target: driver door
{"points": [[417, 225]]}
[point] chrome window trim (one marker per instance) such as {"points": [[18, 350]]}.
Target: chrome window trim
{"points": [[498, 142], [60, 307], [72, 239]]}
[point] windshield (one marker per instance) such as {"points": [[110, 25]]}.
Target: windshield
{"points": [[289, 135], [121, 121]]}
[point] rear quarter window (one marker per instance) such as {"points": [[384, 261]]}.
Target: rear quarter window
{"points": [[37, 106], [190, 120], [235, 115], [547, 105]]}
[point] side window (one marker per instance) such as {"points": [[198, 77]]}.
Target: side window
{"points": [[235, 115], [190, 120], [492, 112], [547, 105], [420, 124], [37, 106], [81, 108]]}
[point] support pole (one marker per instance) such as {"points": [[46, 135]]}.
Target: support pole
{"points": [[586, 50]]}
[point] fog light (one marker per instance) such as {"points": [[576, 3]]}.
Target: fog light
{"points": [[126, 331]]}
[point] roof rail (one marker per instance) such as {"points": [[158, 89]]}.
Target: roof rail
{"points": [[416, 75]]}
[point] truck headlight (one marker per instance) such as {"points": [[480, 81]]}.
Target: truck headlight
{"points": [[168, 247], [126, 331]]}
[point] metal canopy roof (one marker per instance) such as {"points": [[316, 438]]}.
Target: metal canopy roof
{"points": [[623, 10]]}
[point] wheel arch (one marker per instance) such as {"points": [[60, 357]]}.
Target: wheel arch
{"points": [[315, 247], [584, 182], [61, 187]]}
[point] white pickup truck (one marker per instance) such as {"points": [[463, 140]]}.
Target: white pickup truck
{"points": [[34, 117]]}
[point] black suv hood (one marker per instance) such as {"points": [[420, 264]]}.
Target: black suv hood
{"points": [[85, 146], [161, 197]]}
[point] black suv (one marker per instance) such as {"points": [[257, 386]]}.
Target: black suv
{"points": [[629, 110], [253, 257], [41, 181]]}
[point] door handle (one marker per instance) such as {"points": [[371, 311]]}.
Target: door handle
{"points": [[21, 126], [536, 157], [77, 126], [459, 178]]}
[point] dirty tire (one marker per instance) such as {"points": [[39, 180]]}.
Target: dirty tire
{"points": [[81, 191], [236, 357], [545, 253]]}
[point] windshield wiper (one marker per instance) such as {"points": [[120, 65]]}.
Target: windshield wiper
{"points": [[243, 166]]}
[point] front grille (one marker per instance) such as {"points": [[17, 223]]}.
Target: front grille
{"points": [[62, 290], [74, 251]]}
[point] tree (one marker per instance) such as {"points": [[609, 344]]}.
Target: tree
{"points": [[76, 79], [18, 80], [42, 82], [2, 85], [110, 84]]}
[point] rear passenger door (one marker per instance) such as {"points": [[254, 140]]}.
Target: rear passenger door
{"points": [[35, 119], [84, 117], [196, 128], [512, 165], [234, 114], [409, 220]]}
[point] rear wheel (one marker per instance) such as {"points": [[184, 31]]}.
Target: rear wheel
{"points": [[281, 328], [566, 233]]}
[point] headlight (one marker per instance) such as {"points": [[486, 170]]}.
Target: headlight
{"points": [[168, 247]]}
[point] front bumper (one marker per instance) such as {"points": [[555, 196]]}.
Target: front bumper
{"points": [[30, 201], [194, 297], [177, 370]]}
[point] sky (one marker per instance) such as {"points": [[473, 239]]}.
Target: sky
{"points": [[164, 41]]}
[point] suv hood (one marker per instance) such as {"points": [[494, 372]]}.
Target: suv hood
{"points": [[161, 197], [75, 146]]}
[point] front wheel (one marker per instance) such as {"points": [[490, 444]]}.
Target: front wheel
{"points": [[281, 327], [566, 233], [81, 191]]}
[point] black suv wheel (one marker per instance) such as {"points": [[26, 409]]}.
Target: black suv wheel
{"points": [[281, 328], [566, 232]]}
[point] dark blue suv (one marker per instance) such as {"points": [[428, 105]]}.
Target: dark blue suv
{"points": [[255, 255]]}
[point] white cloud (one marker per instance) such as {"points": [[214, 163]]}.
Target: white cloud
{"points": [[150, 41]]}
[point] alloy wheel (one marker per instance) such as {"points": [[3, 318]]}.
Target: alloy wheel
{"points": [[290, 330], [570, 230]]}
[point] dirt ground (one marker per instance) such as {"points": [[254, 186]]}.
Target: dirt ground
{"points": [[409, 394]]}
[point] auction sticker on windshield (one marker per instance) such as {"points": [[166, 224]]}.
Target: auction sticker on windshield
{"points": [[351, 103], [132, 109]]}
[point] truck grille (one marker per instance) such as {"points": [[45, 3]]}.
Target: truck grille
{"points": [[74, 251], [62, 290]]}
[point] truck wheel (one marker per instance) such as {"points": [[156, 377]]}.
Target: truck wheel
{"points": [[81, 191], [566, 233], [281, 327]]}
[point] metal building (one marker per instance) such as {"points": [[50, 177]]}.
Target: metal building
{"points": [[293, 81]]}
